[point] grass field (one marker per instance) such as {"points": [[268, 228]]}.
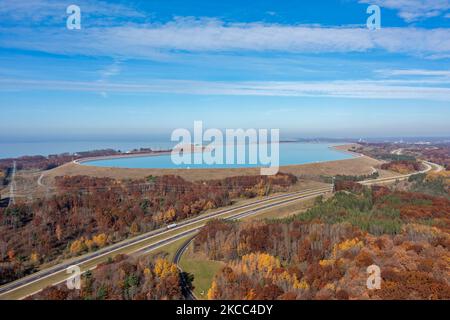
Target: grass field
{"points": [[203, 270]]}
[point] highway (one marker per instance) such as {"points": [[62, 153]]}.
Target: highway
{"points": [[153, 240]]}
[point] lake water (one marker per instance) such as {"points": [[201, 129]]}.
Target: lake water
{"points": [[290, 154]]}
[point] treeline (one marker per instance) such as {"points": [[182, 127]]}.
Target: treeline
{"points": [[4, 176], [90, 213], [350, 178], [55, 160], [379, 210], [396, 157], [52, 161], [373, 175], [383, 151], [433, 184], [403, 167], [324, 253], [122, 278], [439, 154], [436, 152]]}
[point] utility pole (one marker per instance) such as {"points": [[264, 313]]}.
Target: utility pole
{"points": [[333, 182], [12, 187]]}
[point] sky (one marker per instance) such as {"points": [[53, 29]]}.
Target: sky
{"points": [[309, 68]]}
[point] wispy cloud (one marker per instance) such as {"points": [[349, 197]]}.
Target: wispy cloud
{"points": [[413, 10], [415, 72], [341, 89], [110, 71], [45, 12], [212, 35]]}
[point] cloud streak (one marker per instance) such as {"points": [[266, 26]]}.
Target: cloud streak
{"points": [[369, 89], [413, 10], [211, 35], [415, 72], [44, 12]]}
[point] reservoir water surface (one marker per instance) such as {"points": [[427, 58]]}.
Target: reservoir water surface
{"points": [[290, 154]]}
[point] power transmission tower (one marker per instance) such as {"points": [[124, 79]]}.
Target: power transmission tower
{"points": [[12, 187]]}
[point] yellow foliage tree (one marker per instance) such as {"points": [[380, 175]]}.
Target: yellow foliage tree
{"points": [[261, 189], [100, 240], [89, 244], [347, 245], [251, 295], [134, 229], [78, 246], [164, 268], [209, 205], [326, 262], [169, 215], [34, 257], [259, 262], [213, 292], [301, 284]]}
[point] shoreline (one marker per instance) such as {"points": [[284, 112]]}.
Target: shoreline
{"points": [[120, 156], [355, 165], [344, 148], [81, 162]]}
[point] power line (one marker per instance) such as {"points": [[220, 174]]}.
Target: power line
{"points": [[12, 187]]}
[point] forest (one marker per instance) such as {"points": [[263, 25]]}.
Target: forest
{"points": [[402, 166], [437, 184], [122, 278], [89, 213], [434, 152], [324, 253]]}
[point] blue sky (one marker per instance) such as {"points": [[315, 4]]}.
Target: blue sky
{"points": [[310, 68]]}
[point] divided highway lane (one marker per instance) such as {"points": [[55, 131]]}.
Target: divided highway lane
{"points": [[236, 216], [57, 274]]}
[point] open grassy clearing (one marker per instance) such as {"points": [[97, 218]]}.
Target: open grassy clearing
{"points": [[203, 270]]}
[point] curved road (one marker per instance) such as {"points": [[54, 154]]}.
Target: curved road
{"points": [[187, 292]]}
